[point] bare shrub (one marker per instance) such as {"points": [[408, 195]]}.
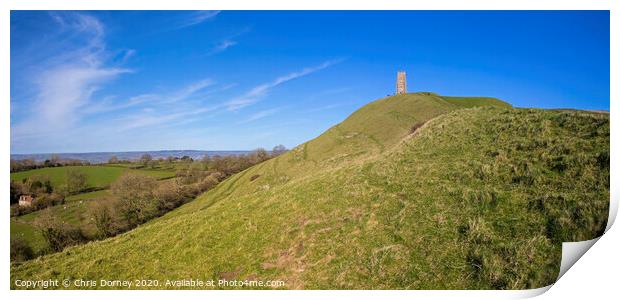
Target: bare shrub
{"points": [[135, 197], [103, 216], [57, 233], [20, 250], [168, 195], [76, 181]]}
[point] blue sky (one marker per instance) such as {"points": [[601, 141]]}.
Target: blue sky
{"points": [[122, 81]]}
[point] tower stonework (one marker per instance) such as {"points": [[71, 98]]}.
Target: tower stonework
{"points": [[401, 83]]}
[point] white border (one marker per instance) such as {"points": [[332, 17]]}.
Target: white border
{"points": [[595, 274], [312, 5]]}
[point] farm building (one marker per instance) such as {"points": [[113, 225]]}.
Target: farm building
{"points": [[25, 200]]}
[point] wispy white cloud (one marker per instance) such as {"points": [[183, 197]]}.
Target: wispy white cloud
{"points": [[227, 42], [198, 17], [127, 54], [66, 82], [221, 46], [259, 115], [160, 108], [91, 33], [190, 90], [253, 95], [151, 118], [63, 91], [70, 103], [180, 113], [110, 103]]}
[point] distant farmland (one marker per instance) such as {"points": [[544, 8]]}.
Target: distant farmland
{"points": [[98, 176], [74, 210]]}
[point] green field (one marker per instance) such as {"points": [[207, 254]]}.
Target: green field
{"points": [[73, 212], [480, 196], [29, 233], [87, 196], [98, 176], [75, 208]]}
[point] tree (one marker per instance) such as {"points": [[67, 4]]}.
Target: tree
{"points": [[278, 150], [152, 164], [62, 190], [257, 156], [207, 161], [57, 233], [103, 217], [55, 160], [37, 184], [209, 182], [168, 195], [113, 160], [193, 173], [145, 159], [135, 197], [47, 200], [16, 191], [20, 250], [15, 165], [76, 181], [23, 164]]}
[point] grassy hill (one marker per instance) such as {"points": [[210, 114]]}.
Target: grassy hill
{"points": [[414, 191]]}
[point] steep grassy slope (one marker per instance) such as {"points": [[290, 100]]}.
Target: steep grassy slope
{"points": [[367, 132], [475, 198]]}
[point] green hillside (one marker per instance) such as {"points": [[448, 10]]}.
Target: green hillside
{"points": [[481, 196]]}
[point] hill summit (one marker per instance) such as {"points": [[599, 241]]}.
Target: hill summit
{"points": [[413, 191]]}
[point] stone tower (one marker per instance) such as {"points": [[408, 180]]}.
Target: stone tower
{"points": [[401, 83]]}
